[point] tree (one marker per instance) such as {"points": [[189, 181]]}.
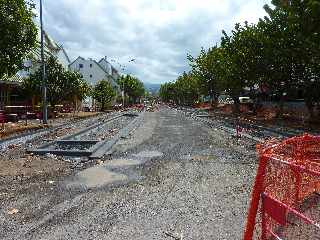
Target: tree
{"points": [[18, 34], [187, 89], [167, 92], [103, 92], [184, 91], [133, 87], [304, 21], [240, 60], [280, 54], [57, 87], [279, 51], [77, 89], [205, 71], [62, 85], [292, 36]]}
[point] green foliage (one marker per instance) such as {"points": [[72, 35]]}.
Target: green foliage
{"points": [[167, 92], [62, 85], [103, 92], [204, 69], [185, 91], [281, 53], [77, 88], [18, 34], [291, 48], [132, 87]]}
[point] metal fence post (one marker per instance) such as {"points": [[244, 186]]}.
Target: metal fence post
{"points": [[255, 198]]}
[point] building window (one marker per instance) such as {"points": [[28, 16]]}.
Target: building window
{"points": [[90, 65], [91, 75], [80, 65]]}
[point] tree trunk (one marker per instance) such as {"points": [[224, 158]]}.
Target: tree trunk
{"points": [[236, 105], [281, 106], [215, 102], [75, 108], [310, 107]]}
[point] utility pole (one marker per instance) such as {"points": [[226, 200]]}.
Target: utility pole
{"points": [[122, 92], [44, 83], [123, 96]]}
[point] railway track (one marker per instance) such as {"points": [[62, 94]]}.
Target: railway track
{"points": [[80, 138], [255, 132], [93, 141], [51, 132]]}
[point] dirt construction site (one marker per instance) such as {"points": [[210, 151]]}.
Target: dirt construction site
{"points": [[166, 173]]}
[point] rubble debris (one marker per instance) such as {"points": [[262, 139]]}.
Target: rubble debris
{"points": [[172, 235], [12, 211]]}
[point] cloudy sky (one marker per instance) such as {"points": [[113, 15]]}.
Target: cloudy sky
{"points": [[157, 33]]}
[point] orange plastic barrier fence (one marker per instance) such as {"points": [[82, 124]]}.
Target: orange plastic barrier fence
{"points": [[285, 201]]}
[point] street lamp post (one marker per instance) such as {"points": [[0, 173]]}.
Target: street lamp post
{"points": [[123, 96], [44, 83]]}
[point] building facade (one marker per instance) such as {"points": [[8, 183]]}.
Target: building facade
{"points": [[10, 92], [93, 71], [51, 48]]}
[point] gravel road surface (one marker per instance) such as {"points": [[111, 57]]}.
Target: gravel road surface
{"points": [[172, 178]]}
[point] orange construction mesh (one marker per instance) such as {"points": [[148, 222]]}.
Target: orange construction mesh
{"points": [[285, 200]]}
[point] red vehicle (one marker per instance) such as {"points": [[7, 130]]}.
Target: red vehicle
{"points": [[16, 113]]}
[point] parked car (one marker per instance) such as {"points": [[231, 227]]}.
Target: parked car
{"points": [[86, 109], [245, 100], [227, 100]]}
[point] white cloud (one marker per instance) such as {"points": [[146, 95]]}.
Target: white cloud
{"points": [[158, 33]]}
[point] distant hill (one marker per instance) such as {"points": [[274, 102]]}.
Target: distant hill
{"points": [[152, 87]]}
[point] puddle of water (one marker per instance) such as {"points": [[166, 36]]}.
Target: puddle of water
{"points": [[102, 175], [99, 176], [148, 154]]}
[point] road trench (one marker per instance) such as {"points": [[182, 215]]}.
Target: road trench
{"points": [[93, 141]]}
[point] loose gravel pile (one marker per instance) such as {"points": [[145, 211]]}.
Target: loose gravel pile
{"points": [[105, 131]]}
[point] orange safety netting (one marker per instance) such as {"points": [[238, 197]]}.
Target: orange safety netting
{"points": [[285, 200]]}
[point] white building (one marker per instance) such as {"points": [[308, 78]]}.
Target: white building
{"points": [[33, 62], [93, 71]]}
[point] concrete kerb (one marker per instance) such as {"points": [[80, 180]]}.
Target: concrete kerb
{"points": [[80, 132], [104, 147], [43, 149], [206, 119], [75, 153], [75, 142], [98, 149], [31, 133]]}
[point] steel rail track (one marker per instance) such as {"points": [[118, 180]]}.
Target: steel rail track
{"points": [[87, 148], [221, 124], [23, 137]]}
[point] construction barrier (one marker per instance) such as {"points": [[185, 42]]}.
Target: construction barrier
{"points": [[285, 201]]}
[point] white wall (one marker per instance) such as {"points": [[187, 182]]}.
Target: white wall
{"points": [[62, 59], [90, 70], [106, 65], [33, 66]]}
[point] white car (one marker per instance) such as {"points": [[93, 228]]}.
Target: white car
{"points": [[245, 100]]}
